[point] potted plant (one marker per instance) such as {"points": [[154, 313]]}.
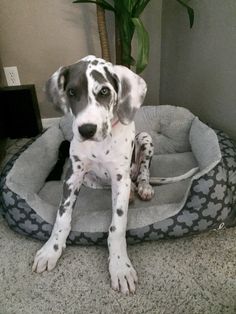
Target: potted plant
{"points": [[127, 21]]}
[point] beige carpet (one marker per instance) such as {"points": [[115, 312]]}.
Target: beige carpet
{"points": [[188, 275], [182, 276]]}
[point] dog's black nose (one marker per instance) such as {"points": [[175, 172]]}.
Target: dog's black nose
{"points": [[88, 130]]}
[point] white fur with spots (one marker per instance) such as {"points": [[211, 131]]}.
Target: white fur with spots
{"points": [[107, 154]]}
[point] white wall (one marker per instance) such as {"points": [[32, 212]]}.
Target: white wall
{"points": [[39, 36], [198, 66]]}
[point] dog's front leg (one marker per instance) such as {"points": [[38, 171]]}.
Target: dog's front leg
{"points": [[47, 257], [123, 275]]}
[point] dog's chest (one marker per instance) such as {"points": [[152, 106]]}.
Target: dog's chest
{"points": [[103, 157], [116, 146]]}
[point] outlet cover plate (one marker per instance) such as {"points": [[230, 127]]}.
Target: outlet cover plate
{"points": [[12, 76]]}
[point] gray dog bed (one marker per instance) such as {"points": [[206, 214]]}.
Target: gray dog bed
{"points": [[181, 142]]}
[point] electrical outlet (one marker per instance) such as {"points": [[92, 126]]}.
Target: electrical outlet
{"points": [[12, 76]]}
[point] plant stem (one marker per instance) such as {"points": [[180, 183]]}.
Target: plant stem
{"points": [[118, 42], [101, 21]]}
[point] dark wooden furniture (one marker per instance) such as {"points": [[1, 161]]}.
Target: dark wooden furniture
{"points": [[19, 112]]}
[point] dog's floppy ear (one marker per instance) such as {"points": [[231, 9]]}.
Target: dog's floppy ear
{"points": [[131, 93], [55, 89]]}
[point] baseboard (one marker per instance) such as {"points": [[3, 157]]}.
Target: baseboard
{"points": [[49, 122]]}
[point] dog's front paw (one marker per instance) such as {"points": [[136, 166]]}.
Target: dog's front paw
{"points": [[46, 258], [123, 275], [145, 191]]}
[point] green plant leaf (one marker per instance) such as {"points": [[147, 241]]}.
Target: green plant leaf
{"points": [[143, 45], [138, 7], [104, 4], [190, 11], [126, 33], [122, 6]]}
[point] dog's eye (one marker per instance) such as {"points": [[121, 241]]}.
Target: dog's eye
{"points": [[105, 91], [71, 92]]}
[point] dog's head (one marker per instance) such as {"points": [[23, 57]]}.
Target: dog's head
{"points": [[97, 93]]}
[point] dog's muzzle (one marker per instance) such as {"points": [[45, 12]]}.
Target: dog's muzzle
{"points": [[87, 130]]}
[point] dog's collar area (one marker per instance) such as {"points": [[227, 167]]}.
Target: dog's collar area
{"points": [[114, 123]]}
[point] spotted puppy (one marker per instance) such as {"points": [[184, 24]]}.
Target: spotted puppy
{"points": [[103, 99]]}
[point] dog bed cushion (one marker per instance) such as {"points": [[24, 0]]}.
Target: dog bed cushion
{"points": [[181, 142]]}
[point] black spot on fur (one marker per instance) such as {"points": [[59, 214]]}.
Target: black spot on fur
{"points": [[55, 247], [120, 212], [112, 228], [112, 78], [78, 82], [94, 62], [73, 205], [69, 169], [61, 210], [93, 156], [143, 147], [79, 167], [103, 100], [119, 177], [77, 192], [76, 158], [107, 152], [118, 256], [66, 191], [99, 77], [133, 156], [126, 88], [127, 265], [67, 204]]}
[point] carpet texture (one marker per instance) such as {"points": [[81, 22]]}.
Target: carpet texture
{"points": [[195, 274]]}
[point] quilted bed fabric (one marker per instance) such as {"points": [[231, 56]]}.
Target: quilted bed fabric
{"points": [[210, 202]]}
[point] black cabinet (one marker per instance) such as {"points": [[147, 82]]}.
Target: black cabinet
{"points": [[19, 112]]}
